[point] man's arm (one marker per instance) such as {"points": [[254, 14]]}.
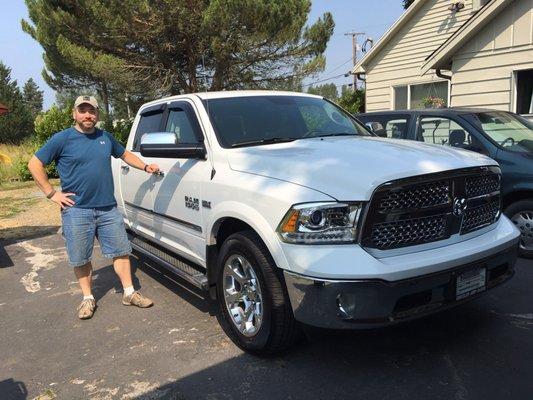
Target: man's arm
{"points": [[37, 169], [131, 159]]}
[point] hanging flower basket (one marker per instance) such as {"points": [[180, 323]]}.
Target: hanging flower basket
{"points": [[433, 102]]}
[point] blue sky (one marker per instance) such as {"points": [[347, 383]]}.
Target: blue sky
{"points": [[24, 56]]}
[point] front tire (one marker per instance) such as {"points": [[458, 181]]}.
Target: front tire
{"points": [[521, 214], [255, 310]]}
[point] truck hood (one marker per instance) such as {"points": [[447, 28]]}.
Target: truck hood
{"points": [[350, 168]]}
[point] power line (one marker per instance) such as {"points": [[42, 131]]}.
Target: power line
{"points": [[336, 68], [323, 80]]}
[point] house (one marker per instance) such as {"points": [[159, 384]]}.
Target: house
{"points": [[475, 53]]}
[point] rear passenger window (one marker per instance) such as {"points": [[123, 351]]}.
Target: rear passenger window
{"points": [[149, 123], [437, 130]]}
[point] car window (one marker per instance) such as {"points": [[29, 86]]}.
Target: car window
{"points": [[391, 126], [178, 123], [509, 131], [149, 123], [444, 131]]}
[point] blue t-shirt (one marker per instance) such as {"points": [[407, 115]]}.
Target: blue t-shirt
{"points": [[84, 165]]}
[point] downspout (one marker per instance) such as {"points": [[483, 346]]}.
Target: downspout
{"points": [[441, 75]]}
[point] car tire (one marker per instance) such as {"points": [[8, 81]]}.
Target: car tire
{"points": [[255, 310], [521, 214]]}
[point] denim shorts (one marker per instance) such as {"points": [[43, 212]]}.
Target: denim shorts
{"points": [[82, 225]]}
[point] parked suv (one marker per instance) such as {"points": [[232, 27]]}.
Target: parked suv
{"points": [[503, 136], [288, 210]]}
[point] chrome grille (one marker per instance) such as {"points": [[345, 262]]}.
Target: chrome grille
{"points": [[481, 185], [478, 217], [409, 232], [419, 196], [432, 207]]}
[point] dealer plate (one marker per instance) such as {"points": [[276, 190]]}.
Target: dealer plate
{"points": [[470, 282]]}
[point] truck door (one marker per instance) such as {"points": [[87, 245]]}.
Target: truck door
{"points": [[177, 193], [137, 185]]}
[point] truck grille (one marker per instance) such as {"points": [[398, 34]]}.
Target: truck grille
{"points": [[426, 195], [409, 231], [431, 207], [480, 216], [481, 185]]}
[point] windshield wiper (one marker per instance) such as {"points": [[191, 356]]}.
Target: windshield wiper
{"points": [[339, 134], [264, 141]]}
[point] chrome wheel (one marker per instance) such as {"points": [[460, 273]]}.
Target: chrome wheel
{"points": [[524, 221], [242, 295]]}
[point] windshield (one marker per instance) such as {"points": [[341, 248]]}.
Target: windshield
{"points": [[256, 120], [510, 131]]}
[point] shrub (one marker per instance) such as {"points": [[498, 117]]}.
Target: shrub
{"points": [[15, 156], [50, 122], [120, 129]]}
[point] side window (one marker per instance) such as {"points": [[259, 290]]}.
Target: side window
{"points": [[149, 123], [396, 128], [391, 126], [178, 123], [437, 130]]}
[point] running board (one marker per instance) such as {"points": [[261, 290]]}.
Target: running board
{"points": [[186, 270]]}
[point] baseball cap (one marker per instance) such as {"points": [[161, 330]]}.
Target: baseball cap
{"points": [[86, 99]]}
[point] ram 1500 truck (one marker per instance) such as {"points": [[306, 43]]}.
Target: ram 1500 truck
{"points": [[288, 211]]}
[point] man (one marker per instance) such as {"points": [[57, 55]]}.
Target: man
{"points": [[88, 207]]}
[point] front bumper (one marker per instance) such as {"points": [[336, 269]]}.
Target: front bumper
{"points": [[373, 302]]}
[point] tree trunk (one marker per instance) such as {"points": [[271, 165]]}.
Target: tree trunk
{"points": [[104, 94]]}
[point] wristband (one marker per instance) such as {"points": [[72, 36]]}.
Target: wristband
{"points": [[51, 194], [145, 166]]}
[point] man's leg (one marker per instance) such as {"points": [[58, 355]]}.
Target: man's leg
{"points": [[78, 232], [122, 268], [84, 274], [130, 297], [114, 244]]}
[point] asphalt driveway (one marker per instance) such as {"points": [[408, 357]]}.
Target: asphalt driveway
{"points": [[176, 350]]}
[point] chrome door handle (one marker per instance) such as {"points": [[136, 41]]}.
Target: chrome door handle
{"points": [[125, 168], [159, 173]]}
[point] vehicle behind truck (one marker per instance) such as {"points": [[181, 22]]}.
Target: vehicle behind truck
{"points": [[288, 212], [506, 137]]}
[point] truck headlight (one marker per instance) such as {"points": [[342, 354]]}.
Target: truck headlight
{"points": [[320, 223]]}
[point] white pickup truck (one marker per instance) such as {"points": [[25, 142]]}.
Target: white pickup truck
{"points": [[288, 211]]}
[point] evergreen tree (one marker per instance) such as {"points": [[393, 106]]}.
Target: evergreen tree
{"points": [[327, 90], [354, 102], [33, 97], [17, 124], [154, 48], [407, 3]]}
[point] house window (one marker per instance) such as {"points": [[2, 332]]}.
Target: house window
{"points": [[524, 91], [425, 95], [400, 97]]}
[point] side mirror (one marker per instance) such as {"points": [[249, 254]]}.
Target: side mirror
{"points": [[166, 145]]}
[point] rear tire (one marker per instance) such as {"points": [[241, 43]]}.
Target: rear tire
{"points": [[521, 214], [255, 310]]}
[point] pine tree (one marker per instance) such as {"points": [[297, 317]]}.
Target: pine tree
{"points": [[407, 3], [33, 97], [327, 90], [17, 124], [154, 48]]}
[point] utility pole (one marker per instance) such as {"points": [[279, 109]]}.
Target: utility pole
{"points": [[354, 53]]}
